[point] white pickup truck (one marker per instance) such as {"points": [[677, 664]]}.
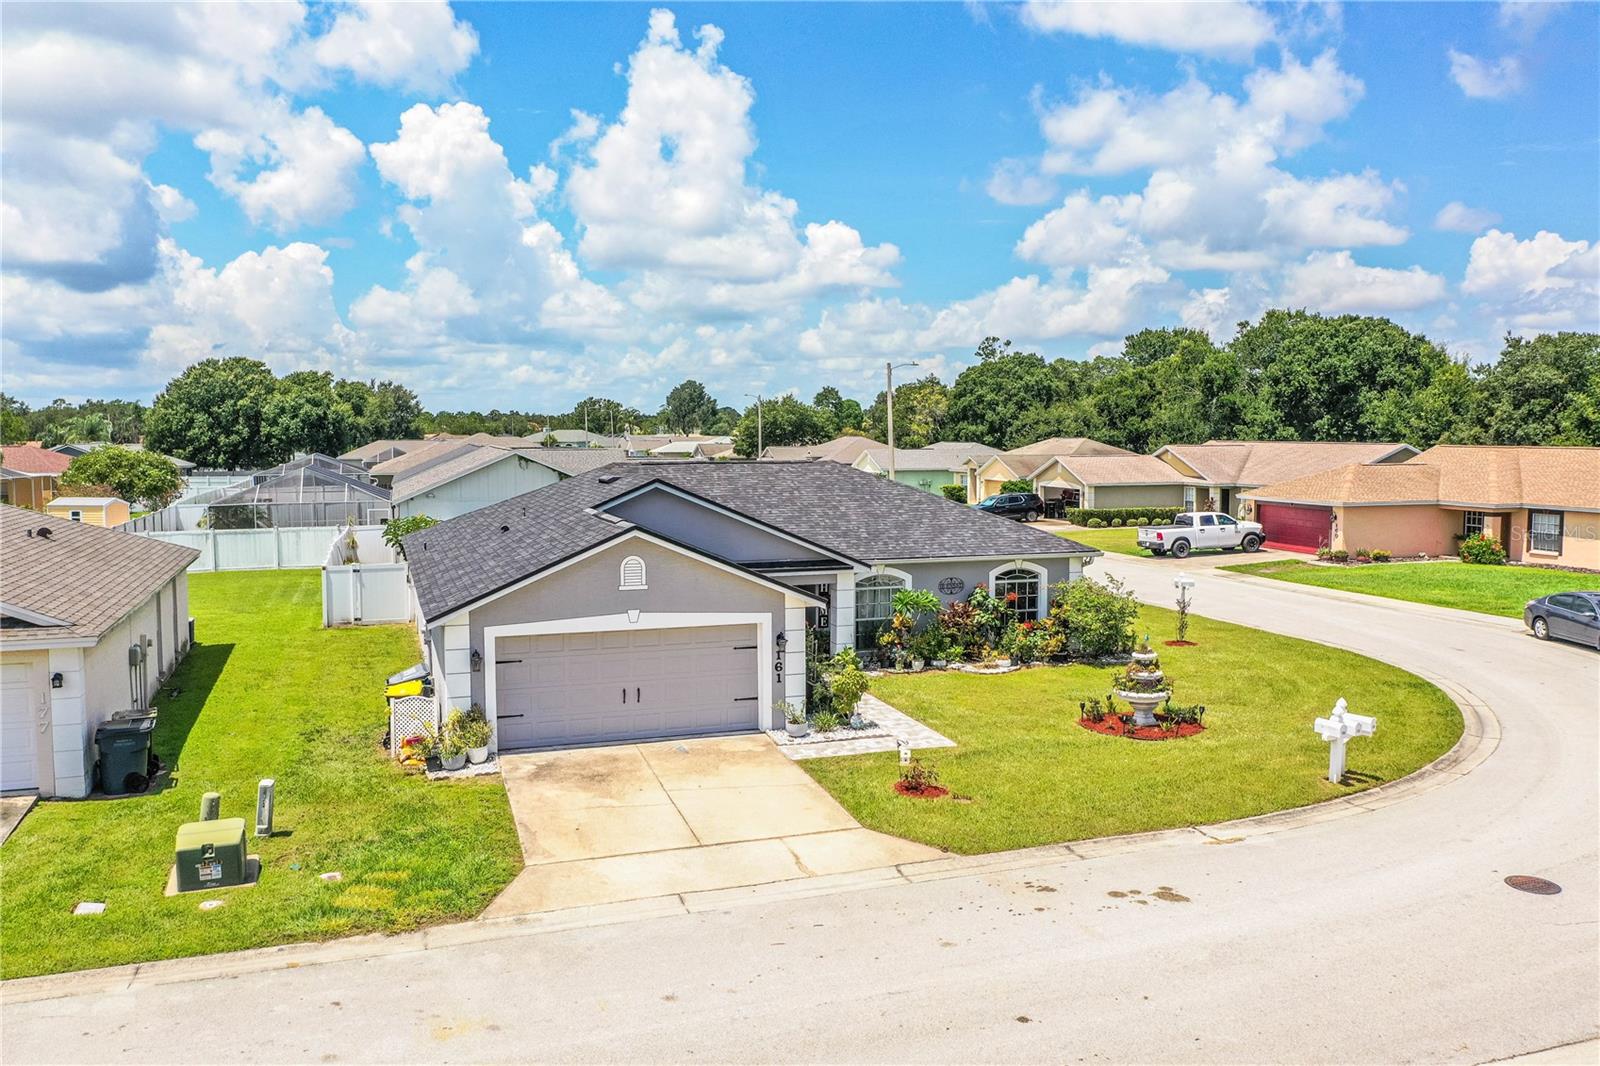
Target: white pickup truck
{"points": [[1193, 530]]}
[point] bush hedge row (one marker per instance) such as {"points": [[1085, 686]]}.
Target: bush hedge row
{"points": [[1130, 516]]}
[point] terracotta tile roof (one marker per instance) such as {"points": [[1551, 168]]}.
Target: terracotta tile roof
{"points": [[1262, 462], [30, 459], [1482, 476], [80, 574]]}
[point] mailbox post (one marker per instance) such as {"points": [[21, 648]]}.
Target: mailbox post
{"points": [[1337, 729]]}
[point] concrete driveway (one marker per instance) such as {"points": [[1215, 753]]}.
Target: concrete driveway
{"points": [[634, 821]]}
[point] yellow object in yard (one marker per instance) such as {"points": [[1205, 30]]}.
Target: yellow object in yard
{"points": [[404, 688]]}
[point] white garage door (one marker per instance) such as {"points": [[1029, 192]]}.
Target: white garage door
{"points": [[19, 725], [583, 688]]}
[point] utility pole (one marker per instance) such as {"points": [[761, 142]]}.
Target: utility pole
{"points": [[888, 399], [759, 444]]}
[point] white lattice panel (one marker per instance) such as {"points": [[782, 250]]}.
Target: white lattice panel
{"points": [[410, 716]]}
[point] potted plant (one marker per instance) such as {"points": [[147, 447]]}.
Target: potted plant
{"points": [[794, 718], [475, 734], [452, 748]]}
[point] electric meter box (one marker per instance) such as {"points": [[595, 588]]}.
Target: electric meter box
{"points": [[211, 854]]}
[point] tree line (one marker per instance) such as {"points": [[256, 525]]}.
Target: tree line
{"points": [[1292, 375]]}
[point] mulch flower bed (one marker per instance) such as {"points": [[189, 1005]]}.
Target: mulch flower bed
{"points": [[928, 793], [1181, 644], [1112, 726]]}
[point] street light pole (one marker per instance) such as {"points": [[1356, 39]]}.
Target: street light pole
{"points": [[759, 444], [888, 399]]}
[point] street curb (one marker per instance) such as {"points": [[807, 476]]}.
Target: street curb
{"points": [[1479, 739]]}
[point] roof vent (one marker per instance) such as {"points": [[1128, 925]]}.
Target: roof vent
{"points": [[505, 529], [608, 479]]}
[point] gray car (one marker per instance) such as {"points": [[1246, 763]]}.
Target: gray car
{"points": [[1573, 616]]}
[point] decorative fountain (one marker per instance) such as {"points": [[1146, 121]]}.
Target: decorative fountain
{"points": [[1144, 686]]}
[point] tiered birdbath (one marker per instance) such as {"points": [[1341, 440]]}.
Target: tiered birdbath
{"points": [[1145, 686]]}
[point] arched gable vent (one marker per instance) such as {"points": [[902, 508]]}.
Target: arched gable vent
{"points": [[632, 574]]}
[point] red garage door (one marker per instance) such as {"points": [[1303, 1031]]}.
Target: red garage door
{"points": [[1296, 528]]}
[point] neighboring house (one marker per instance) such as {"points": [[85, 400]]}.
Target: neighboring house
{"points": [[30, 475], [1114, 481], [690, 447], [414, 461], [846, 449], [986, 475], [572, 438], [77, 599], [77, 448], [928, 469], [106, 511], [651, 599], [1543, 504], [484, 475], [371, 454], [1229, 468]]}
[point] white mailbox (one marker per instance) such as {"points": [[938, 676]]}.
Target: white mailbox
{"points": [[1337, 729]]}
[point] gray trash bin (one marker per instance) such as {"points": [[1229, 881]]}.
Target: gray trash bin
{"points": [[124, 745]]}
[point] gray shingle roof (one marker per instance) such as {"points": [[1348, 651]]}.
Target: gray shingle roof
{"points": [[571, 461], [840, 509], [81, 574]]}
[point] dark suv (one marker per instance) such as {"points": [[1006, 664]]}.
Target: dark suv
{"points": [[1023, 506]]}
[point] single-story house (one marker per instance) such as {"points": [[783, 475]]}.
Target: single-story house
{"points": [[846, 449], [1229, 468], [107, 511], [928, 469], [572, 438], [651, 599], [986, 475], [1114, 481], [1543, 504], [374, 452], [30, 475], [691, 447], [481, 475], [415, 460], [78, 600]]}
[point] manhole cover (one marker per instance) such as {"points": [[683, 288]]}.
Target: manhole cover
{"points": [[1537, 885]]}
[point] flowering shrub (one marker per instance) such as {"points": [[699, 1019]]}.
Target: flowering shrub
{"points": [[1481, 549], [1096, 619]]}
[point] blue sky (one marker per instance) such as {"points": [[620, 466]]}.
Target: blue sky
{"points": [[509, 205]]}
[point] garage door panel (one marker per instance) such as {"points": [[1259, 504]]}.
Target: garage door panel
{"points": [[624, 685], [1296, 527]]}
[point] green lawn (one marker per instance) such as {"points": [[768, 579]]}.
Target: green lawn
{"points": [[267, 693], [1501, 590], [1034, 776], [1108, 540]]}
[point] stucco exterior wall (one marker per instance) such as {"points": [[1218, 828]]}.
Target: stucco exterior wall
{"points": [[976, 572], [510, 477], [928, 480], [1580, 541], [1412, 530], [1138, 496], [677, 584]]}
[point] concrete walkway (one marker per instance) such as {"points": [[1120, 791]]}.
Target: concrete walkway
{"points": [[12, 810], [634, 821], [1376, 936]]}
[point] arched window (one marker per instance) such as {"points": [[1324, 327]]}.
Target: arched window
{"points": [[1020, 588], [874, 599], [632, 574]]}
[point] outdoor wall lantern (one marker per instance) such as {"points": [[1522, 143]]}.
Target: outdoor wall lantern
{"points": [[57, 681], [477, 661], [783, 641]]}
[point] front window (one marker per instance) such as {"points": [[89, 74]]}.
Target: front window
{"points": [[874, 608], [76, 516], [1544, 531], [1019, 589], [1188, 497], [1472, 523]]}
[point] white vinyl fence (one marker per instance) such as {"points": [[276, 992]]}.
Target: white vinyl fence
{"points": [[286, 548], [363, 583]]}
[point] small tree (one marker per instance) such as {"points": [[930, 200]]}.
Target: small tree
{"points": [[134, 476], [400, 528], [1097, 618], [1016, 484]]}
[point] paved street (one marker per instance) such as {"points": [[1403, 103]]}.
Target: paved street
{"points": [[1383, 937]]}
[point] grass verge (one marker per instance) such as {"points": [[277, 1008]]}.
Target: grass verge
{"points": [[268, 693], [1030, 775], [1499, 590]]}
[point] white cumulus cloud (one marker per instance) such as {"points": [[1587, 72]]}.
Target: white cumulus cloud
{"points": [[1457, 217], [1228, 28], [1334, 283]]}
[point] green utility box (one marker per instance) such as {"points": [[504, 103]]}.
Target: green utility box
{"points": [[124, 743], [211, 854]]}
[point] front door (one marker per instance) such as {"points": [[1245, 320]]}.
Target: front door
{"points": [[21, 704]]}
